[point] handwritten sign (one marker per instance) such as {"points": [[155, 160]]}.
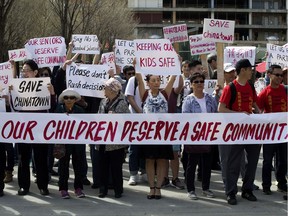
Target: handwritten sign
{"points": [[47, 51], [277, 55], [30, 94], [233, 54], [163, 128], [6, 75], [198, 46], [124, 52], [85, 44], [156, 56], [259, 85], [176, 33], [209, 86], [87, 79], [17, 54], [218, 30], [109, 60]]}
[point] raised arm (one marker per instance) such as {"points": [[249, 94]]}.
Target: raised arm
{"points": [[180, 85], [141, 85], [169, 85]]}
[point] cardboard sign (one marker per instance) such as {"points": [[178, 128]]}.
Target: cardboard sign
{"points": [[109, 60], [143, 129], [124, 52], [176, 33], [156, 56], [6, 75], [209, 86], [17, 54], [233, 54], [218, 30], [85, 44], [47, 51], [277, 55], [87, 79], [30, 94], [199, 46]]}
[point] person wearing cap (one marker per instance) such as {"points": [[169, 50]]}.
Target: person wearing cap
{"points": [[111, 156], [271, 99], [245, 95], [66, 104], [212, 65]]}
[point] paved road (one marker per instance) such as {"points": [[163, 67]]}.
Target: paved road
{"points": [[134, 201]]}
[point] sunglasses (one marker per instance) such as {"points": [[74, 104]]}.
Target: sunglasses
{"points": [[44, 75], [131, 74], [69, 97], [198, 81], [278, 75]]}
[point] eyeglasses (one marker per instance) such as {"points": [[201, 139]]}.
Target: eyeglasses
{"points": [[69, 97], [198, 81], [44, 75], [130, 74], [278, 75]]}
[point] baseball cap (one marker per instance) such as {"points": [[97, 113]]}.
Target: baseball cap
{"points": [[242, 63], [228, 67]]}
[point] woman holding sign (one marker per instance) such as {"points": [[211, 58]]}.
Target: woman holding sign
{"points": [[198, 102], [155, 101]]}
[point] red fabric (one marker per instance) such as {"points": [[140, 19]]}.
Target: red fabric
{"points": [[273, 99], [261, 67], [244, 97]]}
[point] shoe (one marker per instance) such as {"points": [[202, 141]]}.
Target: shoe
{"points": [[165, 182], [177, 184], [231, 199], [64, 194], [267, 191], [23, 192], [158, 196], [8, 177], [86, 181], [102, 195], [248, 195], [208, 193], [54, 173], [151, 196], [132, 180], [79, 193], [118, 195], [94, 186], [192, 195], [255, 187], [1, 193], [44, 192], [282, 189]]}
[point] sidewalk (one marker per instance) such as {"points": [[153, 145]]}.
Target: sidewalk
{"points": [[134, 201]]}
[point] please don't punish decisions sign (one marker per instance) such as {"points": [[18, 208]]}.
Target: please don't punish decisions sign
{"points": [[200, 128]]}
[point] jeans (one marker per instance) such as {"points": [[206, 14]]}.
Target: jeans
{"points": [[135, 163]]}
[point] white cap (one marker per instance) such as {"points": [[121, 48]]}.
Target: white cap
{"points": [[228, 67]]}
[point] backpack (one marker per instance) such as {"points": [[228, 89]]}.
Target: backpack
{"points": [[234, 92]]}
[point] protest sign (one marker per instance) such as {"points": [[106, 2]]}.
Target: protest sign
{"points": [[30, 94], [277, 55], [259, 85], [233, 54], [17, 54], [109, 60], [87, 80], [176, 33], [6, 75], [199, 46], [47, 51], [135, 129], [209, 86], [85, 44], [124, 52], [156, 56], [217, 30]]}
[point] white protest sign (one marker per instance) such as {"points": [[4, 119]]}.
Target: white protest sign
{"points": [[232, 54], [30, 94], [277, 55], [259, 85], [124, 52], [199, 46], [6, 75], [156, 56], [47, 51], [176, 33], [109, 60], [85, 44], [87, 79], [17, 54], [209, 86], [218, 30]]}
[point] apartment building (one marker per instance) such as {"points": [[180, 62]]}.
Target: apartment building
{"points": [[255, 20]]}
